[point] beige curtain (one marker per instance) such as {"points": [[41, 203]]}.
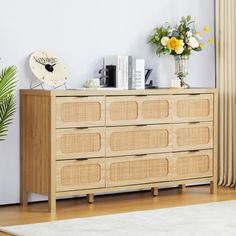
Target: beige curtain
{"points": [[226, 84]]}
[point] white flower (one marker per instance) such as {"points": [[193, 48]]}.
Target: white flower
{"points": [[189, 34], [179, 50], [193, 43], [164, 41], [197, 36], [182, 42]]}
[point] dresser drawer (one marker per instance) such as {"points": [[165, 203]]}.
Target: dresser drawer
{"points": [[193, 164], [138, 140], [193, 136], [80, 111], [131, 110], [137, 169], [193, 108], [80, 174], [75, 143]]}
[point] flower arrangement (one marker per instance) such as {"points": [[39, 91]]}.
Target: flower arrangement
{"points": [[180, 40]]}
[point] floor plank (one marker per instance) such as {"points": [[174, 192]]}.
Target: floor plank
{"points": [[112, 204]]}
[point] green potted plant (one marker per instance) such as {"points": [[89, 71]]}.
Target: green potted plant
{"points": [[7, 100]]}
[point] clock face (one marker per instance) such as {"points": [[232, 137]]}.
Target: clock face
{"points": [[48, 68]]}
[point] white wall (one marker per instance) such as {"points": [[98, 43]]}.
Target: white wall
{"points": [[82, 32]]}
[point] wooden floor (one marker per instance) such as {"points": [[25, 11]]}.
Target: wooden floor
{"points": [[112, 204]]}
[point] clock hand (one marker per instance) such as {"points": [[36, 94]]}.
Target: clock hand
{"points": [[49, 68]]}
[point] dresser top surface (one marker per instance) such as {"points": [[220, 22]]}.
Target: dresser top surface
{"points": [[109, 92]]}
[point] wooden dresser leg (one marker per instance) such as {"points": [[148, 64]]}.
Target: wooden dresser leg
{"points": [[154, 191], [213, 187], [52, 204], [182, 186], [90, 198], [24, 198]]}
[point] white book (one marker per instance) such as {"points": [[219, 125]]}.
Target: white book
{"points": [[139, 74], [115, 61], [119, 77], [123, 65], [126, 73]]}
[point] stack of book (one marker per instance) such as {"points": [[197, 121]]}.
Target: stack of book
{"points": [[124, 72]]}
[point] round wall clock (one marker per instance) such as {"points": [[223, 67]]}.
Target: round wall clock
{"points": [[48, 68]]}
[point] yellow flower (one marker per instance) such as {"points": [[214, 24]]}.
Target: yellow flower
{"points": [[201, 45], [206, 29], [173, 43], [210, 40], [197, 33]]}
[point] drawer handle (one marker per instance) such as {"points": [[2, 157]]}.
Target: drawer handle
{"points": [[141, 155], [82, 159], [193, 150], [82, 96], [195, 122], [190, 94], [81, 127], [141, 125], [141, 95]]}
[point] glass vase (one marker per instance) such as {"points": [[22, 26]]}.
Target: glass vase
{"points": [[181, 69]]}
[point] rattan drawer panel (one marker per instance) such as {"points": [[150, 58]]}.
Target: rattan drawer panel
{"points": [[137, 169], [138, 140], [131, 110], [193, 108], [80, 174], [193, 165], [192, 136], [80, 111], [74, 143]]}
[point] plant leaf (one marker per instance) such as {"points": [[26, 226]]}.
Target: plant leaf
{"points": [[7, 82], [7, 109], [7, 101]]}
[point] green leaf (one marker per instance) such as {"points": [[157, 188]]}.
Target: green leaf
{"points": [[7, 100], [7, 109], [7, 82], [197, 49]]}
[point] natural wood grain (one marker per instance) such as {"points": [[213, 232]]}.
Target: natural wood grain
{"points": [[138, 140], [191, 136], [80, 111], [216, 146], [23, 176], [190, 165], [75, 143], [52, 157], [134, 110], [35, 144], [66, 137], [138, 169], [134, 187], [190, 108], [80, 174], [182, 186], [154, 191], [90, 198], [75, 93]]}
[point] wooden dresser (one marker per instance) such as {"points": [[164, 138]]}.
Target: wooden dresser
{"points": [[85, 142]]}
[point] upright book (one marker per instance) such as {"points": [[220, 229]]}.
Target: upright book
{"points": [[119, 69]]}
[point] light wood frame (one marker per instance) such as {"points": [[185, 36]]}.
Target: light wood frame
{"points": [[39, 149]]}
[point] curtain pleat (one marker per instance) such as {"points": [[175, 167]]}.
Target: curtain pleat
{"points": [[226, 84]]}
